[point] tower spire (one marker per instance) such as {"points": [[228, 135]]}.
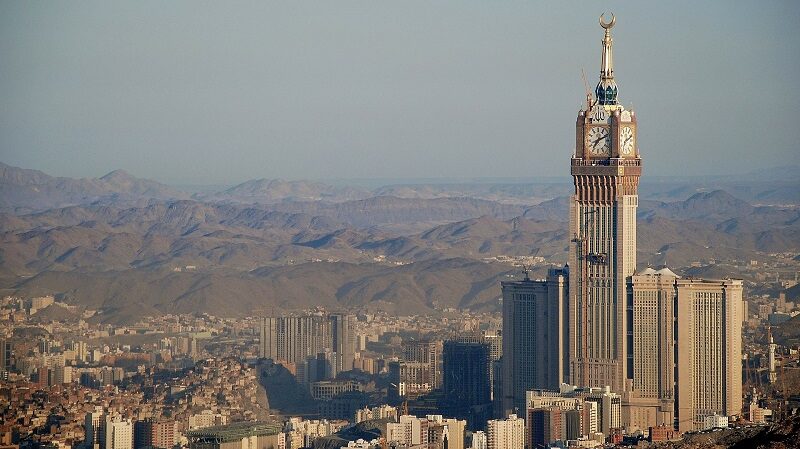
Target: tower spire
{"points": [[606, 90]]}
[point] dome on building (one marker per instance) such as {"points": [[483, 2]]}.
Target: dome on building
{"points": [[606, 92], [666, 272]]}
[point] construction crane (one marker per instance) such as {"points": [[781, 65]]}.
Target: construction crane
{"points": [[404, 406], [588, 91], [587, 258]]}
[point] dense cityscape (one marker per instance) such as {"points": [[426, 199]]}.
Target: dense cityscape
{"points": [[595, 350]]}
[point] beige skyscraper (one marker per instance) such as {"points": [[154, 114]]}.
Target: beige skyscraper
{"points": [[670, 348], [709, 340], [686, 355], [605, 169], [650, 399], [506, 433]]}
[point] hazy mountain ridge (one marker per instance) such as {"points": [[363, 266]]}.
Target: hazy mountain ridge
{"points": [[24, 190], [118, 251], [268, 191], [102, 250], [388, 210]]}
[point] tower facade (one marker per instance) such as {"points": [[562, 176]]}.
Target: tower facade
{"points": [[295, 338], [709, 354], [428, 352], [534, 337], [605, 169], [466, 380]]}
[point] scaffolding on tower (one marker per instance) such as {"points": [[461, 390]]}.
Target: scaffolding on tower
{"points": [[587, 258]]}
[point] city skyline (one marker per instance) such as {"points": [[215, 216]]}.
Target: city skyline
{"points": [[221, 95], [278, 315]]}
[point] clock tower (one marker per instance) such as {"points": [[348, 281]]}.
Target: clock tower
{"points": [[605, 169]]}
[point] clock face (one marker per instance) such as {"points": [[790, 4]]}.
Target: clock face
{"points": [[598, 142], [626, 140]]}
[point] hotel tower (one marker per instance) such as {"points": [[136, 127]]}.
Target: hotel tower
{"points": [[602, 226]]}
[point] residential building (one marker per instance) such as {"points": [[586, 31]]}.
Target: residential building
{"points": [[506, 433]]}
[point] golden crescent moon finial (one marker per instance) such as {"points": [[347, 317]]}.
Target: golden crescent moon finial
{"points": [[608, 25]]}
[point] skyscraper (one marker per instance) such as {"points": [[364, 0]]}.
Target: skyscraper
{"points": [[605, 169], [651, 399], [426, 351], [295, 338], [95, 427], [342, 340], [663, 350], [535, 350], [709, 353], [686, 350], [5, 355], [467, 383]]}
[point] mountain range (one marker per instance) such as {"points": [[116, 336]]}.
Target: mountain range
{"points": [[130, 247]]}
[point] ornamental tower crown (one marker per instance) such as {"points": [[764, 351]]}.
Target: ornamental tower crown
{"points": [[606, 131], [606, 90]]}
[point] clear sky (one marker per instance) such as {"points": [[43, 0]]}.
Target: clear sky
{"points": [[221, 92]]}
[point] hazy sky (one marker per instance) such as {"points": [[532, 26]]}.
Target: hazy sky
{"points": [[220, 92]]}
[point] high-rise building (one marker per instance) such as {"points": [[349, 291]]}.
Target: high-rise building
{"points": [[62, 375], [295, 338], [535, 352], [650, 397], [119, 433], [426, 351], [506, 433], [545, 425], [94, 425], [466, 373], [685, 356], [343, 339], [5, 355], [154, 433], [583, 411], [494, 339], [411, 379], [605, 169], [467, 382], [709, 351]]}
